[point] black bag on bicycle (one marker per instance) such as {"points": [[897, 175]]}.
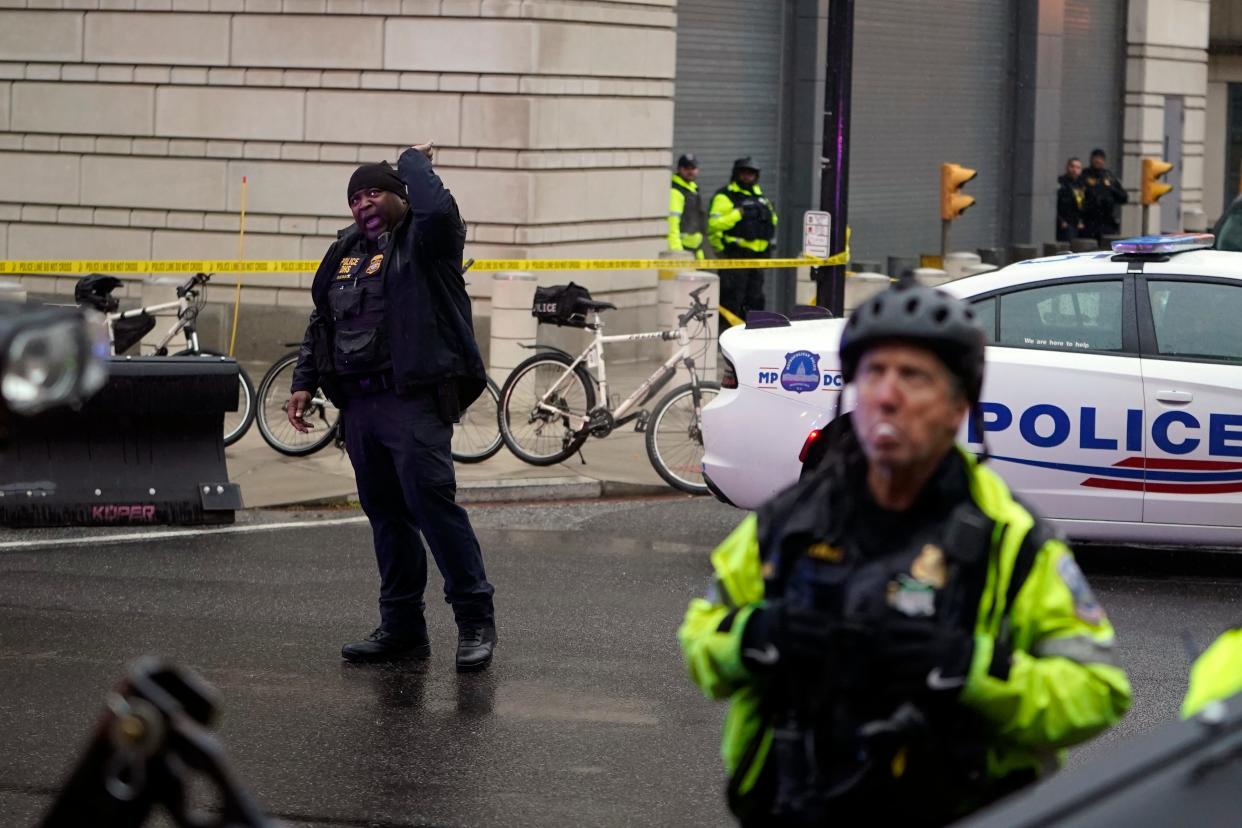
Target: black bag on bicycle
{"points": [[129, 330], [561, 305]]}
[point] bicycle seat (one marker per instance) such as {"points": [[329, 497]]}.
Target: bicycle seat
{"points": [[592, 305]]}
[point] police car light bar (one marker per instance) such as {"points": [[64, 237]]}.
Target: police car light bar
{"points": [[1172, 243]]}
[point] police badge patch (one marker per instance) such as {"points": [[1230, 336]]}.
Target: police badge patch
{"points": [[1085, 605]]}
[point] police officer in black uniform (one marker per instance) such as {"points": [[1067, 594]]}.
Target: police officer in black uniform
{"points": [[1104, 195], [391, 342]]}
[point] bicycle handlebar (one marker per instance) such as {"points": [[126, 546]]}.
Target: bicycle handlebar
{"points": [[191, 283]]}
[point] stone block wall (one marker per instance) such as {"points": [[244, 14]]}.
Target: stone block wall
{"points": [[126, 127], [1166, 54]]}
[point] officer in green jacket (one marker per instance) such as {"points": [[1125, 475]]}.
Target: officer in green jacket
{"points": [[900, 640], [1216, 675], [741, 224], [686, 221]]}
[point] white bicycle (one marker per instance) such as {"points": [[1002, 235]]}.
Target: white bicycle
{"points": [[548, 404]]}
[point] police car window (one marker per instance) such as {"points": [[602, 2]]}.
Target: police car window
{"points": [[1197, 320], [1079, 316], [985, 314]]}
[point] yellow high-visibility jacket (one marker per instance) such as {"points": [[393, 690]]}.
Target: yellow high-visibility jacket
{"points": [[685, 217], [724, 215], [1216, 675], [1063, 685]]}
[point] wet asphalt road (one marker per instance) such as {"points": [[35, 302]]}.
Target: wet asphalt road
{"points": [[585, 718]]}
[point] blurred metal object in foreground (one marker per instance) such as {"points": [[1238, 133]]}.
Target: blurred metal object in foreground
{"points": [[151, 747], [49, 357], [1183, 773]]}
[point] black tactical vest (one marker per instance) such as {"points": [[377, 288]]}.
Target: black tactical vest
{"points": [[757, 228], [356, 298], [692, 220]]}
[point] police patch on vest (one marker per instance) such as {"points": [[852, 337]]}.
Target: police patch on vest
{"points": [[911, 597], [825, 552], [929, 566], [1085, 605], [347, 266], [376, 263], [801, 372]]}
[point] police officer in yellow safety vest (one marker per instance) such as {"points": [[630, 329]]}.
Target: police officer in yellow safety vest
{"points": [[901, 641], [686, 221], [1216, 675], [741, 224]]}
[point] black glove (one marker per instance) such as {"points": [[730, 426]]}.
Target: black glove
{"points": [[922, 655]]}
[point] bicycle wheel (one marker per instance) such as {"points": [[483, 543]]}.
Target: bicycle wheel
{"points": [[273, 422], [476, 436], [541, 405], [236, 423], [675, 437]]}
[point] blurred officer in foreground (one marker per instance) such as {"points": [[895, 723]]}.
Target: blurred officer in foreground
{"points": [[391, 342], [741, 224], [1104, 195], [1216, 675], [1071, 195], [900, 640], [686, 221]]}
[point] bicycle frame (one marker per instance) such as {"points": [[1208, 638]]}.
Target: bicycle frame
{"points": [[628, 409], [185, 321]]}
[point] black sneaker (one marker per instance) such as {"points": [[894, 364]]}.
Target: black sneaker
{"points": [[385, 646], [474, 648]]}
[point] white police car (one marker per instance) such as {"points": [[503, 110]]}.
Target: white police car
{"points": [[1112, 401]]}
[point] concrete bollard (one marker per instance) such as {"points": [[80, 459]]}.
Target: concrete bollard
{"points": [[931, 276], [666, 288], [12, 291], [1022, 252], [1194, 221], [955, 264], [1083, 245], [991, 255], [862, 286], [976, 269], [513, 292], [703, 346], [898, 265]]}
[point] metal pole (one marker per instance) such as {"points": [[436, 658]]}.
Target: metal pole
{"points": [[835, 160], [1146, 212], [944, 238]]}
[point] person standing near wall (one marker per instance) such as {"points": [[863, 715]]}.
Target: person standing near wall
{"points": [[1071, 195], [742, 225], [685, 209]]}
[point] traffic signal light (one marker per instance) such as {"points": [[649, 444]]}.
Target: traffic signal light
{"points": [[953, 202], [1153, 168]]}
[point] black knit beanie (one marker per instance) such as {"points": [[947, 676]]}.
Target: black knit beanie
{"points": [[379, 176]]}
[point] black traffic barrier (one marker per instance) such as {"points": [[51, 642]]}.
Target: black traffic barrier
{"points": [[148, 448], [898, 265], [1084, 245]]}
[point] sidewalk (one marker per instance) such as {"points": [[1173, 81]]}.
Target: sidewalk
{"points": [[616, 465]]}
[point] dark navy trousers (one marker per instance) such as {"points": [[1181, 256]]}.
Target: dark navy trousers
{"points": [[402, 456]]}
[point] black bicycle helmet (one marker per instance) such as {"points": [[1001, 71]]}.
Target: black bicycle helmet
{"points": [[95, 291], [910, 312]]}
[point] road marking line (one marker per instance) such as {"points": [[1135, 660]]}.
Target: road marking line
{"points": [[178, 533]]}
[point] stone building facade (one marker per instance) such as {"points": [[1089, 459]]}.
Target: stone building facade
{"points": [[127, 126]]}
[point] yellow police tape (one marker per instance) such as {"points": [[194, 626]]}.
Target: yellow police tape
{"points": [[141, 266]]}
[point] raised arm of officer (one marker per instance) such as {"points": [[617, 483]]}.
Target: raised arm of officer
{"points": [[431, 204]]}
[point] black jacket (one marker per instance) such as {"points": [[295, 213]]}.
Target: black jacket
{"points": [[1104, 195], [427, 311], [1069, 206]]}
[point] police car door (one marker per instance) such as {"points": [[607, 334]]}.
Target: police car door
{"points": [[1191, 334], [1063, 396]]}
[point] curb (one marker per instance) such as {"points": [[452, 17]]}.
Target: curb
{"points": [[510, 491]]}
